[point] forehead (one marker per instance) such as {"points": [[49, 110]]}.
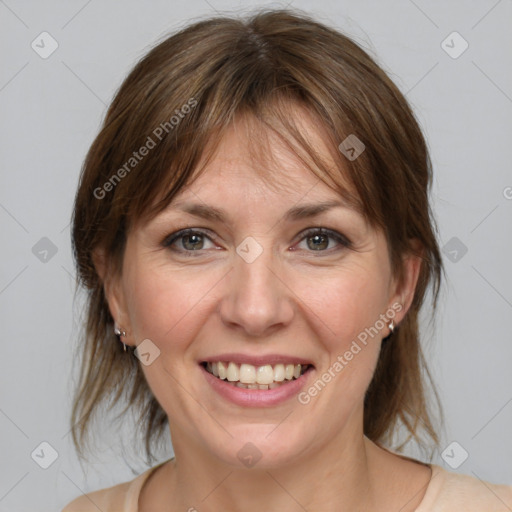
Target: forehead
{"points": [[254, 160]]}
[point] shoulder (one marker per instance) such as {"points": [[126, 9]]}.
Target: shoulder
{"points": [[122, 497], [104, 499], [448, 491]]}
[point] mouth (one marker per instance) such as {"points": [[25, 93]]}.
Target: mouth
{"points": [[248, 376]]}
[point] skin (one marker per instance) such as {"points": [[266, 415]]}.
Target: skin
{"points": [[303, 302]]}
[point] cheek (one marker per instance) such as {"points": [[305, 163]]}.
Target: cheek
{"points": [[348, 311], [164, 304], [339, 307], [345, 304], [167, 307]]}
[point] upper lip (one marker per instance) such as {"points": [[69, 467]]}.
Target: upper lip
{"points": [[257, 360]]}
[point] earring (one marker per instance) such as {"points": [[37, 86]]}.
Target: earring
{"points": [[120, 333], [391, 327]]}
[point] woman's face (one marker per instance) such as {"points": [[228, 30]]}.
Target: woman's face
{"points": [[260, 287]]}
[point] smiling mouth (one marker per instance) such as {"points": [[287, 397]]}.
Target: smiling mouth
{"points": [[248, 376]]}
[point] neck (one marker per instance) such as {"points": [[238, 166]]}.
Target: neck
{"points": [[338, 478]]}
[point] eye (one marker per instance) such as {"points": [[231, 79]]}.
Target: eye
{"points": [[318, 239], [189, 240], [194, 240]]}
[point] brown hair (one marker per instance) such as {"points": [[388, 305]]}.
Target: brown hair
{"points": [[178, 101]]}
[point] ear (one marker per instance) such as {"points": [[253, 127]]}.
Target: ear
{"points": [[403, 291], [113, 289]]}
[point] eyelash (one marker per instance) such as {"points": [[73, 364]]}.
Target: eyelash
{"points": [[170, 239]]}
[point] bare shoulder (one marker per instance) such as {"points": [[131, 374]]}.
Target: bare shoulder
{"points": [[401, 482], [126, 496], [410, 483], [103, 499], [469, 492], [420, 487], [157, 488]]}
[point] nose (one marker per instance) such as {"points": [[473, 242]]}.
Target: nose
{"points": [[257, 301]]}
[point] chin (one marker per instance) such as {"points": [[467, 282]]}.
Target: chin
{"points": [[263, 446]]}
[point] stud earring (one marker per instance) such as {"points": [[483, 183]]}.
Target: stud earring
{"points": [[391, 327], [118, 332]]}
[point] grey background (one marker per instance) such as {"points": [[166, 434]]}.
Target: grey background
{"points": [[51, 110]]}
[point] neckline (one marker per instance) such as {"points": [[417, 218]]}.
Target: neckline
{"points": [[435, 470], [132, 500], [430, 490]]}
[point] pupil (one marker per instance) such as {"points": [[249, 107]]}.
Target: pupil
{"points": [[319, 238], [193, 245]]}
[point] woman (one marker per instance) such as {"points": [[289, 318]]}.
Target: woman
{"points": [[254, 229]]}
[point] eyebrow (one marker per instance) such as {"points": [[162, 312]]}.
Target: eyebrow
{"points": [[304, 211]]}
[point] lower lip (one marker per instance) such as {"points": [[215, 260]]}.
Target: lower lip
{"points": [[257, 397]]}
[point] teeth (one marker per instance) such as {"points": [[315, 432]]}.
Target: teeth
{"points": [[253, 377], [247, 374], [221, 368], [264, 374], [233, 372], [257, 386], [279, 372]]}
